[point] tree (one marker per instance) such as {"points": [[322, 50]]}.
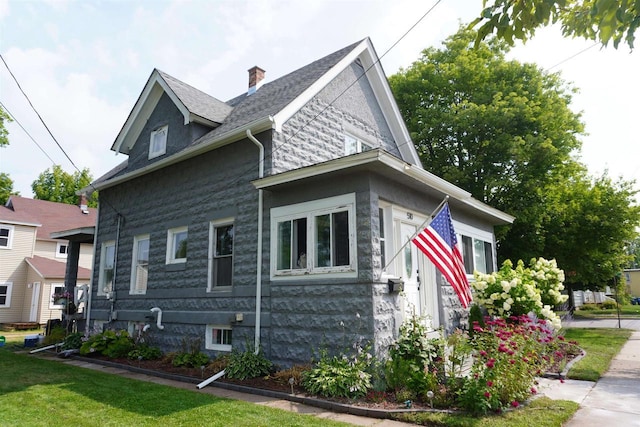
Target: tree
{"points": [[600, 20], [56, 185], [504, 131], [499, 129], [4, 133], [588, 225], [6, 187], [633, 250]]}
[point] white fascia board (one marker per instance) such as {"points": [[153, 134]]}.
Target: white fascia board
{"points": [[12, 222], [377, 156], [142, 110], [229, 137], [386, 100], [294, 106], [33, 267]]}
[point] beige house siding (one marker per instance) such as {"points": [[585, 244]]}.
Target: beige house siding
{"points": [[13, 269], [48, 249], [632, 278]]}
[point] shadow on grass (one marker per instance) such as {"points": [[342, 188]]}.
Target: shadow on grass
{"points": [[55, 381]]}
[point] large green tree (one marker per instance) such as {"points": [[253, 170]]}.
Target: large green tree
{"points": [[633, 250], [6, 187], [601, 20], [56, 185], [4, 133], [504, 131]]}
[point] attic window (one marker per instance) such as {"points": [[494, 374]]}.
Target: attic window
{"points": [[354, 145], [158, 142]]}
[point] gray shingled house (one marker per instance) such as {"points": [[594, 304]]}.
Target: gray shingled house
{"points": [[271, 218]]}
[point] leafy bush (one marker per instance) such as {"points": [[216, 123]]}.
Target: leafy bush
{"points": [[248, 364], [110, 343], [589, 307], [609, 305], [339, 376], [145, 352], [73, 341], [190, 356], [520, 291], [56, 335], [296, 372]]}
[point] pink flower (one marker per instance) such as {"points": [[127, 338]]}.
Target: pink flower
{"points": [[489, 383], [562, 380], [487, 394], [511, 361], [483, 353], [533, 390], [515, 404], [490, 363]]}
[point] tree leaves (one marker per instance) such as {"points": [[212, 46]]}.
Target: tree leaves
{"points": [[56, 185]]}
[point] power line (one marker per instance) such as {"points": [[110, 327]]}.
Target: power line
{"points": [[25, 131], [572, 56], [38, 114]]}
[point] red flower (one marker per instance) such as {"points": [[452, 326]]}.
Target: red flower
{"points": [[533, 390], [515, 404], [487, 394], [489, 383], [490, 363]]}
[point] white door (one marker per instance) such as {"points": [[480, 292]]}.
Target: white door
{"points": [[35, 299], [410, 271]]}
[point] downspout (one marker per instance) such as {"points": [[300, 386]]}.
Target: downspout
{"points": [[258, 262], [259, 252], [115, 270]]}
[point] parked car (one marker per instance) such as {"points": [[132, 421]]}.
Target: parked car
{"points": [[635, 300]]}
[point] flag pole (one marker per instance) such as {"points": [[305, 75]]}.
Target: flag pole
{"points": [[418, 230]]}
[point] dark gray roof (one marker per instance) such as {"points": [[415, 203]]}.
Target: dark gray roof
{"points": [[274, 96], [196, 101]]}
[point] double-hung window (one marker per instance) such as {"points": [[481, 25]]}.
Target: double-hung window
{"points": [[177, 239], [5, 294], [158, 142], [140, 264], [107, 267], [6, 236], [56, 288], [221, 254], [477, 254], [353, 145], [314, 238]]}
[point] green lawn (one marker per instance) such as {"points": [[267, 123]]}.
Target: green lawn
{"points": [[601, 345], [38, 392], [627, 311]]}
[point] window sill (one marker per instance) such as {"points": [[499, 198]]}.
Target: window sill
{"points": [[176, 267]]}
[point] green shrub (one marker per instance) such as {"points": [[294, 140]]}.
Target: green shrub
{"points": [[110, 343], [339, 376], [248, 364], [589, 307], [609, 305], [190, 356], [73, 341], [145, 352], [55, 336]]}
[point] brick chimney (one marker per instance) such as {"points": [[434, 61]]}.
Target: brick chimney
{"points": [[256, 75]]}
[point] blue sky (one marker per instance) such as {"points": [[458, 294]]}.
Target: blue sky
{"points": [[84, 63]]}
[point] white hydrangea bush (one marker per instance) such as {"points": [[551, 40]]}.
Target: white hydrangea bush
{"points": [[521, 291]]}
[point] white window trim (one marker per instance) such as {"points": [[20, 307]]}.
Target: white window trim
{"points": [[360, 144], [101, 277], [53, 306], [212, 249], [475, 234], [210, 345], [310, 210], [154, 154], [134, 265], [9, 286], [171, 233], [59, 246], [10, 237]]}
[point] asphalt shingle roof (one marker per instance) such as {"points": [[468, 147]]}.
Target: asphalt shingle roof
{"points": [[51, 269], [51, 216]]}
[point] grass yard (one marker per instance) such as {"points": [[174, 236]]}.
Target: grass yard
{"points": [[626, 311], [38, 392], [601, 345]]}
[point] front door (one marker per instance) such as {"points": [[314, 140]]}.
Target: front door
{"points": [[410, 271], [35, 299]]}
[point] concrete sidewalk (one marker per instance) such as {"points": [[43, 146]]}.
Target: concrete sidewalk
{"points": [[614, 400]]}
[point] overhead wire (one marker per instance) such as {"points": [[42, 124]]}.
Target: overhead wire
{"points": [[13, 117]]}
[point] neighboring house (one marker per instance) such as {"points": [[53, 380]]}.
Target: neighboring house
{"points": [[270, 218], [33, 262], [631, 277]]}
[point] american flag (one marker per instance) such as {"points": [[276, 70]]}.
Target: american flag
{"points": [[439, 243]]}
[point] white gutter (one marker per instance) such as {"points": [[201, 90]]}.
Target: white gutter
{"points": [[258, 261]]}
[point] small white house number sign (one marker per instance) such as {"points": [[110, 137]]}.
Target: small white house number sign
{"points": [[409, 215]]}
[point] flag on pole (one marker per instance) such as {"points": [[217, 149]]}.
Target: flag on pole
{"points": [[439, 243]]}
